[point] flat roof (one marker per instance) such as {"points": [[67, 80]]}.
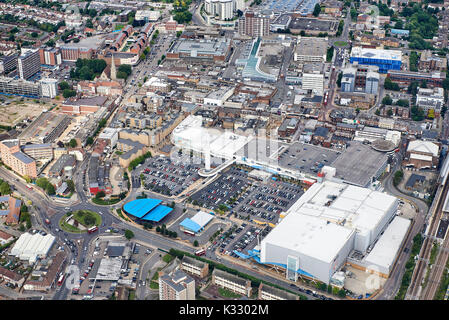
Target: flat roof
{"points": [[307, 157], [382, 54], [386, 249], [311, 46], [310, 235], [359, 163]]}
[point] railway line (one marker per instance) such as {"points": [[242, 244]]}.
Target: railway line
{"points": [[414, 291]]}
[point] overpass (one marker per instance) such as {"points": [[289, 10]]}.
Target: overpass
{"points": [[210, 173]]}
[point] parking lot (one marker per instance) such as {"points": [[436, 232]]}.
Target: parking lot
{"points": [[168, 178], [244, 238], [267, 201], [228, 186]]}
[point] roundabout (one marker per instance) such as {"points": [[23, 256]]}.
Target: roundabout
{"points": [[79, 221]]}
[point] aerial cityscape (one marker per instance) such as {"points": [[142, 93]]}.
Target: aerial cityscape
{"points": [[241, 150]]}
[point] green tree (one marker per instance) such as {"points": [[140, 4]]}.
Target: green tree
{"points": [[195, 243], [50, 189], [317, 10], [64, 85], [73, 143], [22, 228], [387, 100], [70, 185], [67, 93], [89, 140], [100, 194], [129, 234], [354, 14], [4, 188]]}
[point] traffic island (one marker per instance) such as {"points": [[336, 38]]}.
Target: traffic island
{"points": [[80, 221]]}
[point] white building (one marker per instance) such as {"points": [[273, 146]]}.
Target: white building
{"points": [[223, 9], [314, 82], [430, 99], [218, 97], [32, 246], [381, 259], [49, 87], [110, 134], [324, 226], [147, 15]]}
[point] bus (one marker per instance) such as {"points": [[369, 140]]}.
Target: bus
{"points": [[92, 229], [200, 252], [61, 279], [190, 233]]}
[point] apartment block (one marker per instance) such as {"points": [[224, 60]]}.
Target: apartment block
{"points": [[17, 160], [176, 286], [272, 293], [195, 267], [230, 282]]}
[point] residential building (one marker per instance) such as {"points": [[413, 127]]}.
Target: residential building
{"points": [[49, 87], [131, 150], [195, 267], [267, 292], [50, 56], [231, 282], [254, 24], [28, 63], [176, 286], [430, 99], [5, 237], [433, 79], [11, 214], [17, 160]]}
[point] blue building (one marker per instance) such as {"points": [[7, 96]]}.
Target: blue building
{"points": [[384, 59], [400, 32]]}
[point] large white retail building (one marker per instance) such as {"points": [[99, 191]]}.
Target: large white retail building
{"points": [[328, 223]]}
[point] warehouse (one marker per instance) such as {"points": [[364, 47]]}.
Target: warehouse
{"points": [[324, 226], [31, 247], [381, 259], [197, 223]]}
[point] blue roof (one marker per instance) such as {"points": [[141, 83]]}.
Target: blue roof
{"points": [[23, 157], [157, 214], [191, 225], [140, 207]]}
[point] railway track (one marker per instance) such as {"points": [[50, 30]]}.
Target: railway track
{"points": [[437, 271], [424, 255]]}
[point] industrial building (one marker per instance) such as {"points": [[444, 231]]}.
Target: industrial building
{"points": [[197, 223], [422, 154], [385, 59], [32, 246], [324, 226]]}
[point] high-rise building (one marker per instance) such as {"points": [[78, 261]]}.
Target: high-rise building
{"points": [[360, 78], [176, 286], [223, 9], [254, 24], [29, 63], [50, 56], [48, 87]]}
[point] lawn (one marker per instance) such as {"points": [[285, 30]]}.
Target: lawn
{"points": [[86, 217], [132, 295], [340, 43], [103, 202], [225, 293]]}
